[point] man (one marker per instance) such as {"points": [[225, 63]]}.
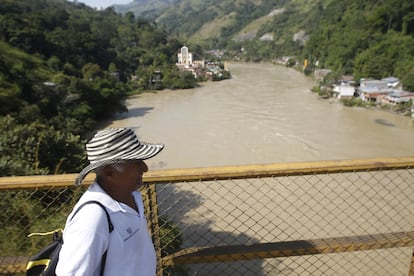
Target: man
{"points": [[117, 157]]}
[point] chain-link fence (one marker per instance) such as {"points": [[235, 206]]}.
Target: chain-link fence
{"points": [[237, 220]]}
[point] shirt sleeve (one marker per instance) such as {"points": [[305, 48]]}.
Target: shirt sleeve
{"points": [[85, 239]]}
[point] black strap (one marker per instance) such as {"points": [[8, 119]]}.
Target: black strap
{"points": [[110, 226]]}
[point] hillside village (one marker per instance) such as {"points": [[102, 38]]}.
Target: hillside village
{"points": [[382, 92], [386, 91], [201, 69]]}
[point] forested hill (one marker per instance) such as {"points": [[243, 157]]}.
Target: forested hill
{"points": [[63, 68], [366, 38]]}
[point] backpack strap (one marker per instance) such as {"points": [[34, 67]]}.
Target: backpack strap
{"points": [[110, 226]]}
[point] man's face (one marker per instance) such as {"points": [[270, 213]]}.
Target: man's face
{"points": [[131, 177]]}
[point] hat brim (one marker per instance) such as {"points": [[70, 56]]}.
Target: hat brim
{"points": [[145, 151]]}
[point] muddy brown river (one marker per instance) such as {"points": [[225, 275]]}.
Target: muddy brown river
{"points": [[264, 114], [267, 114]]}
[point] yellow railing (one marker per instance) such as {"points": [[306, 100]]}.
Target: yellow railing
{"points": [[256, 219]]}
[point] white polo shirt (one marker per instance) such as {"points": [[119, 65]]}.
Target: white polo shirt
{"points": [[86, 237]]}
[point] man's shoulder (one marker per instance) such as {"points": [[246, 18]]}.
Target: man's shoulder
{"points": [[96, 193]]}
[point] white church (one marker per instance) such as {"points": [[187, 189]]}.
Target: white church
{"points": [[185, 58], [196, 67]]}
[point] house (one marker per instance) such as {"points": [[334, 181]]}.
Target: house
{"points": [[347, 79], [320, 74], [199, 68], [392, 82], [372, 94], [285, 60], [372, 84], [343, 91], [370, 90], [397, 97], [155, 80]]}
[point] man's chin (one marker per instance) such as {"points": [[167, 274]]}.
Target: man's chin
{"points": [[140, 185]]}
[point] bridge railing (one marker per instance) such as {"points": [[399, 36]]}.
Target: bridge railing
{"points": [[347, 217]]}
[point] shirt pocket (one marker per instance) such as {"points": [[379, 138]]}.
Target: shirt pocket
{"points": [[129, 232], [127, 225]]}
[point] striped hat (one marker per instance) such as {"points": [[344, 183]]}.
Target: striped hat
{"points": [[116, 145]]}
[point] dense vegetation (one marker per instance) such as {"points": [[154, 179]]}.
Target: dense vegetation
{"points": [[66, 66], [63, 68], [365, 38]]}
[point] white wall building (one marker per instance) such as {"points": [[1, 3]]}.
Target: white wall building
{"points": [[343, 91], [185, 58]]}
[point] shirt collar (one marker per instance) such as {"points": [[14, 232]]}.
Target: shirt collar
{"points": [[95, 192]]}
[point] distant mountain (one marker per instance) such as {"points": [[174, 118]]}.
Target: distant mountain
{"points": [[150, 9], [367, 38], [216, 22]]}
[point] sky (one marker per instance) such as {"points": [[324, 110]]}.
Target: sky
{"points": [[103, 3]]}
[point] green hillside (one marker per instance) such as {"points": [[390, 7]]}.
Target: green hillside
{"points": [[218, 20], [365, 38], [64, 67]]}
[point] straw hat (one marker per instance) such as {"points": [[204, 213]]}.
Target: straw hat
{"points": [[116, 145]]}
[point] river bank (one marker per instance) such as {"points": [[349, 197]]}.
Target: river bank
{"points": [[264, 114], [267, 114]]}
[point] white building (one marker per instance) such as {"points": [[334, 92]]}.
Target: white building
{"points": [[343, 91], [371, 90], [398, 97], [392, 82], [185, 58], [373, 84]]}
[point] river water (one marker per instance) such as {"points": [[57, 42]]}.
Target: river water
{"points": [[264, 114], [267, 114]]}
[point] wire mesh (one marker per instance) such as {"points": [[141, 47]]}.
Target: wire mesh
{"points": [[261, 210], [244, 211]]}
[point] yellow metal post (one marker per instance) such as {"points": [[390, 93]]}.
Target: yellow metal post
{"points": [[154, 226], [411, 272]]}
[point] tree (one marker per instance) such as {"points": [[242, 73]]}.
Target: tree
{"points": [[35, 148], [91, 71], [57, 65], [408, 80]]}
